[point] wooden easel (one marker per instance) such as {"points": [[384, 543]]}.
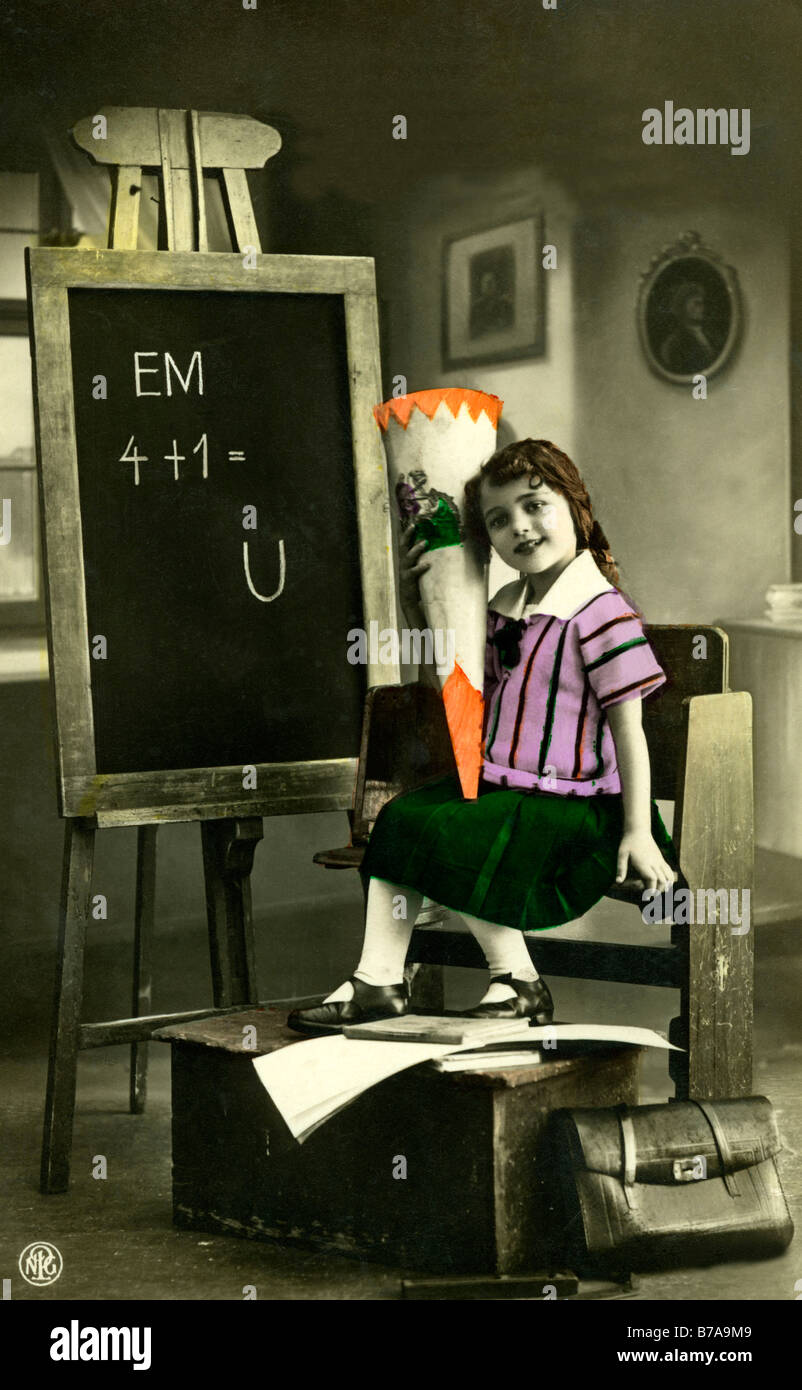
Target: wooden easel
{"points": [[181, 146]]}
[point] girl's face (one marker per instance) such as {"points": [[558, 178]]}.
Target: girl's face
{"points": [[530, 527]]}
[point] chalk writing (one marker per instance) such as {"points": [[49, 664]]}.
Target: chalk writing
{"points": [[265, 598], [135, 458], [175, 458], [132, 455], [203, 445], [141, 370]]}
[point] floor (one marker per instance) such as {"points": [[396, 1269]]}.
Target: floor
{"points": [[116, 1237]]}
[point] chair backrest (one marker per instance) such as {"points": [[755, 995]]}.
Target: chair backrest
{"points": [[405, 742], [405, 738], [696, 662]]}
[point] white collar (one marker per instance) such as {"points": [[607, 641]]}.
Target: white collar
{"points": [[576, 585]]}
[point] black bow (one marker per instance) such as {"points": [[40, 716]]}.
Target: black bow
{"points": [[507, 642]]}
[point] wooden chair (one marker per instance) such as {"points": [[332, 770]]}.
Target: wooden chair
{"points": [[699, 735]]}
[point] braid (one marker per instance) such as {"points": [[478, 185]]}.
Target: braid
{"points": [[599, 547]]}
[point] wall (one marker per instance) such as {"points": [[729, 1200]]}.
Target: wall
{"points": [[694, 495]]}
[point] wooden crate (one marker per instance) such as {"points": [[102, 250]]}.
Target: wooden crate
{"points": [[468, 1203]]}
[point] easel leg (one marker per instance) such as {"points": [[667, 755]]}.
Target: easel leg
{"points": [[79, 848], [228, 850], [144, 914]]}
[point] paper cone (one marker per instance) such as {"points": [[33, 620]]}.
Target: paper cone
{"points": [[435, 441]]}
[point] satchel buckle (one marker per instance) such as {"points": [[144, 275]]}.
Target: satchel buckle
{"points": [[688, 1169]]}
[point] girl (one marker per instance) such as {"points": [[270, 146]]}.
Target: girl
{"points": [[564, 803]]}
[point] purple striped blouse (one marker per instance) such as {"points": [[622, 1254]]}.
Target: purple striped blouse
{"points": [[582, 649]]}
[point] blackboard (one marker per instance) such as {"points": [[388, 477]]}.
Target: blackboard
{"points": [[219, 533], [199, 672]]}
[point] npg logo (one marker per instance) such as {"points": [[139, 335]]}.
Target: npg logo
{"points": [[40, 1263]]}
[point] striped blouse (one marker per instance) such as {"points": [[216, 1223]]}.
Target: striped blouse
{"points": [[581, 650]]}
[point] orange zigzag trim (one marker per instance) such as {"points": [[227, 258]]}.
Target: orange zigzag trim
{"points": [[455, 397], [464, 707]]}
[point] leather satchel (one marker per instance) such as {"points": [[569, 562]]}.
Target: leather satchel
{"points": [[663, 1186]]}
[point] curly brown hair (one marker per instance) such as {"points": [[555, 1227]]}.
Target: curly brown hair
{"points": [[542, 460]]}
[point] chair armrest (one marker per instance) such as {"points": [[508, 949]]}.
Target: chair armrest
{"points": [[349, 857], [630, 891]]}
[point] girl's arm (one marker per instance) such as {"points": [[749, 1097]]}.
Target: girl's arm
{"points": [[637, 848]]}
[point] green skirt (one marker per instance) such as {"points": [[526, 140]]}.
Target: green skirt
{"points": [[523, 859]]}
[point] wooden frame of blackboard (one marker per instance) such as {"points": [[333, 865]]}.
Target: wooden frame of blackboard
{"points": [[185, 794]]}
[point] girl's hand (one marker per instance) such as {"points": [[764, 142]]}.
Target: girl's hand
{"points": [[639, 851], [410, 569]]}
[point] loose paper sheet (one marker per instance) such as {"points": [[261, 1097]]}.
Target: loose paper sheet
{"points": [[314, 1076], [309, 1082]]}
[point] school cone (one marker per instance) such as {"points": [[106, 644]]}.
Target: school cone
{"points": [[435, 441]]}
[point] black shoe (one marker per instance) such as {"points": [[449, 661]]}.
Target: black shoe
{"points": [[369, 1003], [533, 1001]]}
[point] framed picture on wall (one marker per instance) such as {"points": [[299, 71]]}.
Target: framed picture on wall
{"points": [[689, 311], [493, 299]]}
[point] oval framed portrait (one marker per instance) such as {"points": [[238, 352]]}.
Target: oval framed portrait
{"points": [[689, 311]]}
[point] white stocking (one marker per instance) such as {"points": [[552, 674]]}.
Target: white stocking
{"points": [[506, 954], [389, 918]]}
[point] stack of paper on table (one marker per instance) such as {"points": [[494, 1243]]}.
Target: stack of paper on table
{"points": [[547, 1044], [311, 1081], [488, 1057]]}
